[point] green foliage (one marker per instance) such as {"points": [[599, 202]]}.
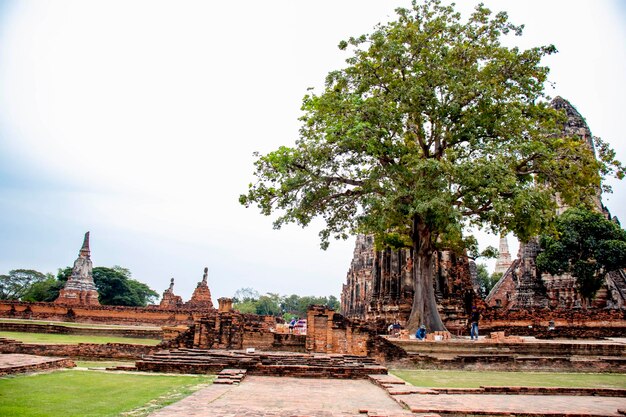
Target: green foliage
{"points": [[247, 300], [432, 118], [46, 290], [586, 245], [116, 287], [87, 393], [16, 284], [485, 280], [432, 126], [245, 294]]}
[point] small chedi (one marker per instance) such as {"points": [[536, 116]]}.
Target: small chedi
{"points": [[169, 299], [80, 288], [200, 299]]}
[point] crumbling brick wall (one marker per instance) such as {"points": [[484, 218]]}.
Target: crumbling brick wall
{"points": [[150, 315]]}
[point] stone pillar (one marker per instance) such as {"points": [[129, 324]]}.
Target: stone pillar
{"points": [[225, 305]]}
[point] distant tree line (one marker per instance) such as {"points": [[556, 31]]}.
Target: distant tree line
{"points": [[248, 300], [115, 286]]}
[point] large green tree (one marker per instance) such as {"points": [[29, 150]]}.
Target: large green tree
{"points": [[434, 125], [585, 244], [116, 287], [17, 282]]}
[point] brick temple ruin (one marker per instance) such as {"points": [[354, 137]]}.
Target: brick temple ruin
{"points": [[200, 299], [523, 287], [378, 287], [78, 302], [80, 288]]}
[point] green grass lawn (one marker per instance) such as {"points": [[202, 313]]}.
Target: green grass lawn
{"points": [[74, 339], [80, 325], [475, 379], [92, 394]]}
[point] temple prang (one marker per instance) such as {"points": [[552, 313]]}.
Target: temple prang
{"points": [[80, 288], [522, 286], [379, 286], [504, 258]]}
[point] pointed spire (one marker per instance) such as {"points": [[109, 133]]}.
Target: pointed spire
{"points": [[84, 251], [504, 245], [504, 260]]}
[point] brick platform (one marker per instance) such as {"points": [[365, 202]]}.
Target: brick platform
{"points": [[17, 363], [199, 361], [525, 354], [505, 401]]}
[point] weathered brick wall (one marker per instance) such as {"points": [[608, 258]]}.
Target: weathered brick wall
{"points": [[81, 350], [233, 330], [59, 329], [150, 315], [573, 323], [379, 286], [330, 332]]}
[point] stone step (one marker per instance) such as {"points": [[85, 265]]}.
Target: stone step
{"points": [[261, 363]]}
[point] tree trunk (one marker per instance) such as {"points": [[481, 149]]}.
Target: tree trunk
{"points": [[424, 310]]}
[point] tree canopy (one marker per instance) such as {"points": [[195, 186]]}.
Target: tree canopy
{"points": [[433, 126], [486, 281], [248, 300], [116, 287], [16, 284], [586, 245]]}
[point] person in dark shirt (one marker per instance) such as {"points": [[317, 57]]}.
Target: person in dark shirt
{"points": [[474, 320], [421, 333]]}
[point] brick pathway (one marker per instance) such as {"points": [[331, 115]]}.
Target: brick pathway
{"points": [[287, 397], [11, 363], [298, 397], [545, 405]]}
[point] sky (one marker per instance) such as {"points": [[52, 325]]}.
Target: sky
{"points": [[137, 121]]}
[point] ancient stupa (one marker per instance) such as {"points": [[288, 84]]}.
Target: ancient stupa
{"points": [[80, 288], [201, 297]]}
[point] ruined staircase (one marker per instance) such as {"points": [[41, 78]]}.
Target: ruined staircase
{"points": [[201, 361]]}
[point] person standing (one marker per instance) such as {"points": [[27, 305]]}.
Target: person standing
{"points": [[474, 320]]}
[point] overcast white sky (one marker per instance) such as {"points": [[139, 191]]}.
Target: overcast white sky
{"points": [[137, 120]]}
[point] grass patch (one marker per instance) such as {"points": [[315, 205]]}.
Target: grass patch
{"points": [[70, 339], [89, 393], [79, 325], [476, 379]]}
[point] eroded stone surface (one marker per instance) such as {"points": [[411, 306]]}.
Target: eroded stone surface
{"points": [[80, 288]]}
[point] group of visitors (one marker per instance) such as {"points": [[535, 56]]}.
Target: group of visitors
{"points": [[394, 328]]}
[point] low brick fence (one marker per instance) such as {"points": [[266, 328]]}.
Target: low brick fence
{"points": [[60, 329], [82, 350]]}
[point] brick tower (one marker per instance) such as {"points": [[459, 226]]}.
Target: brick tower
{"points": [[80, 288]]}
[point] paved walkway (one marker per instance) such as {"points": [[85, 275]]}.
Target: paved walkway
{"points": [[282, 397], [544, 405], [298, 397], [11, 363]]}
